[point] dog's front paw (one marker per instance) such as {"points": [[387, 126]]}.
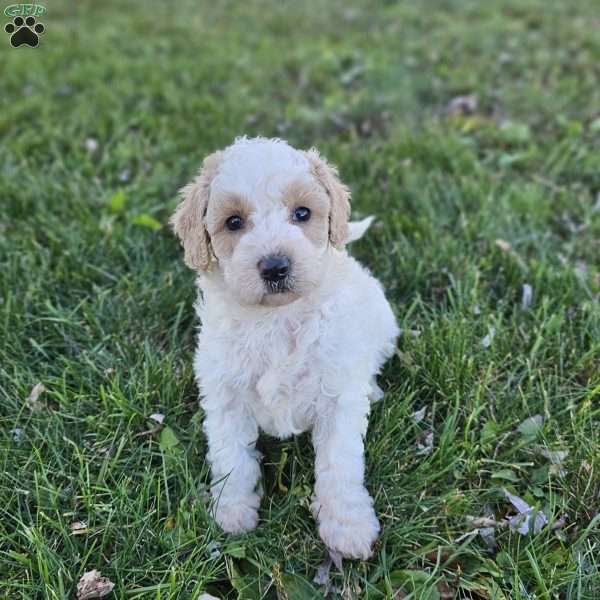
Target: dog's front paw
{"points": [[352, 533], [237, 516]]}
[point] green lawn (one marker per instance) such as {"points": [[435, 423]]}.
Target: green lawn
{"points": [[113, 112]]}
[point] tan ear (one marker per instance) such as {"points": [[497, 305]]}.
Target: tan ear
{"points": [[188, 220], [339, 195]]}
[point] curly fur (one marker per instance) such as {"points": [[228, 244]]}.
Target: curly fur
{"points": [[284, 363]]}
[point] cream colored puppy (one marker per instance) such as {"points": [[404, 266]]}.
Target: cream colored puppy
{"points": [[293, 330]]}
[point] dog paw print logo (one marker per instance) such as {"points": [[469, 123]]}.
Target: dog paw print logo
{"points": [[24, 31]]}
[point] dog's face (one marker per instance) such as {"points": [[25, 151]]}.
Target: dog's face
{"points": [[264, 214]]}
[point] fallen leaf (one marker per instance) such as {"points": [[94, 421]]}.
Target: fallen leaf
{"points": [[527, 296], [349, 76], [322, 575], [17, 434], [488, 535], [33, 402], [485, 527], [556, 457], [419, 415], [414, 333], [483, 522], [522, 521], [486, 342], [425, 446], [557, 470], [91, 145], [488, 531], [503, 245], [504, 58], [93, 585], [531, 426], [79, 528], [158, 418], [213, 550], [581, 268], [462, 105], [559, 523], [204, 492], [517, 502], [467, 535]]}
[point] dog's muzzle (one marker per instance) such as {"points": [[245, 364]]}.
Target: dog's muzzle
{"points": [[275, 272]]}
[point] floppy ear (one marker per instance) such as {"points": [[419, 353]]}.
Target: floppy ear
{"points": [[188, 220], [339, 196]]}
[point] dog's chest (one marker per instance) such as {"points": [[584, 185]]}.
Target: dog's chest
{"points": [[278, 361]]}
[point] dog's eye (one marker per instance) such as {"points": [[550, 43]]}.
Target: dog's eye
{"points": [[234, 223], [301, 213]]}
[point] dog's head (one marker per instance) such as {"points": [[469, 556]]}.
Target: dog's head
{"points": [[266, 215]]}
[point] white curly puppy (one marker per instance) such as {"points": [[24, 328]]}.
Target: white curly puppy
{"points": [[293, 330]]}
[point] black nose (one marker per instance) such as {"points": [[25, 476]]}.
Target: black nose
{"points": [[274, 268]]}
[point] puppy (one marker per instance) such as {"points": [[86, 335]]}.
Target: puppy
{"points": [[293, 330]]}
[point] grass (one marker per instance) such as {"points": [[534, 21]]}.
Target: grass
{"points": [[112, 113]]}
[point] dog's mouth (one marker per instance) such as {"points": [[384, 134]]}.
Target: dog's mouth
{"points": [[279, 293], [283, 286]]}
